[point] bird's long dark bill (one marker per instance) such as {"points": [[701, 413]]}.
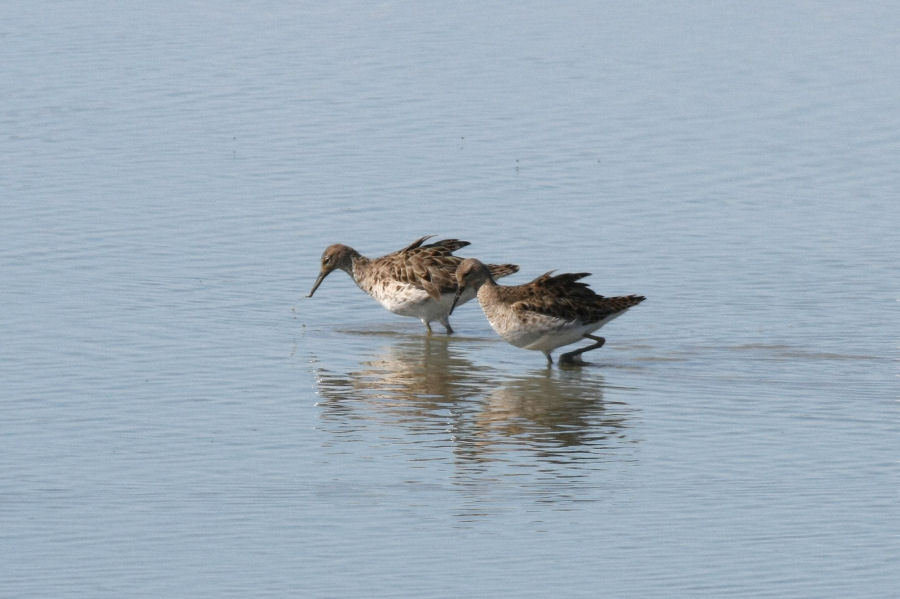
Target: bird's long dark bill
{"points": [[319, 280], [456, 298]]}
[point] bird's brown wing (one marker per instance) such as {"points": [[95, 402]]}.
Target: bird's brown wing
{"points": [[429, 267], [566, 297]]}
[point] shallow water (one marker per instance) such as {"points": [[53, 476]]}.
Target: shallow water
{"points": [[180, 420]]}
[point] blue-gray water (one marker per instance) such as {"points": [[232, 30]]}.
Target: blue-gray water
{"points": [[178, 420]]}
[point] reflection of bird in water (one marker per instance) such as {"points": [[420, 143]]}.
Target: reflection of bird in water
{"points": [[430, 390], [543, 435], [548, 412], [416, 377]]}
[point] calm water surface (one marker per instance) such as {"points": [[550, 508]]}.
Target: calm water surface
{"points": [[178, 420]]}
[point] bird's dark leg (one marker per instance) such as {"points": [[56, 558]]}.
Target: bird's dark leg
{"points": [[446, 323], [569, 357], [549, 359]]}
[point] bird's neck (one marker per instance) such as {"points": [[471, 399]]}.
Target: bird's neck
{"points": [[487, 290], [357, 266]]}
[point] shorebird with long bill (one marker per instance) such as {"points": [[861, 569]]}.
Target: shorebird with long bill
{"points": [[549, 312], [417, 281]]}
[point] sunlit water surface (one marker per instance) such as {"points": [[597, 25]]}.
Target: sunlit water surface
{"points": [[179, 420]]}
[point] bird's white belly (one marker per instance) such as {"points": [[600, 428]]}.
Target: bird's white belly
{"points": [[542, 333], [407, 300], [538, 332], [564, 333], [400, 298]]}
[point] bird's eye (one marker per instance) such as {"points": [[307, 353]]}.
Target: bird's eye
{"points": [[326, 260]]}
